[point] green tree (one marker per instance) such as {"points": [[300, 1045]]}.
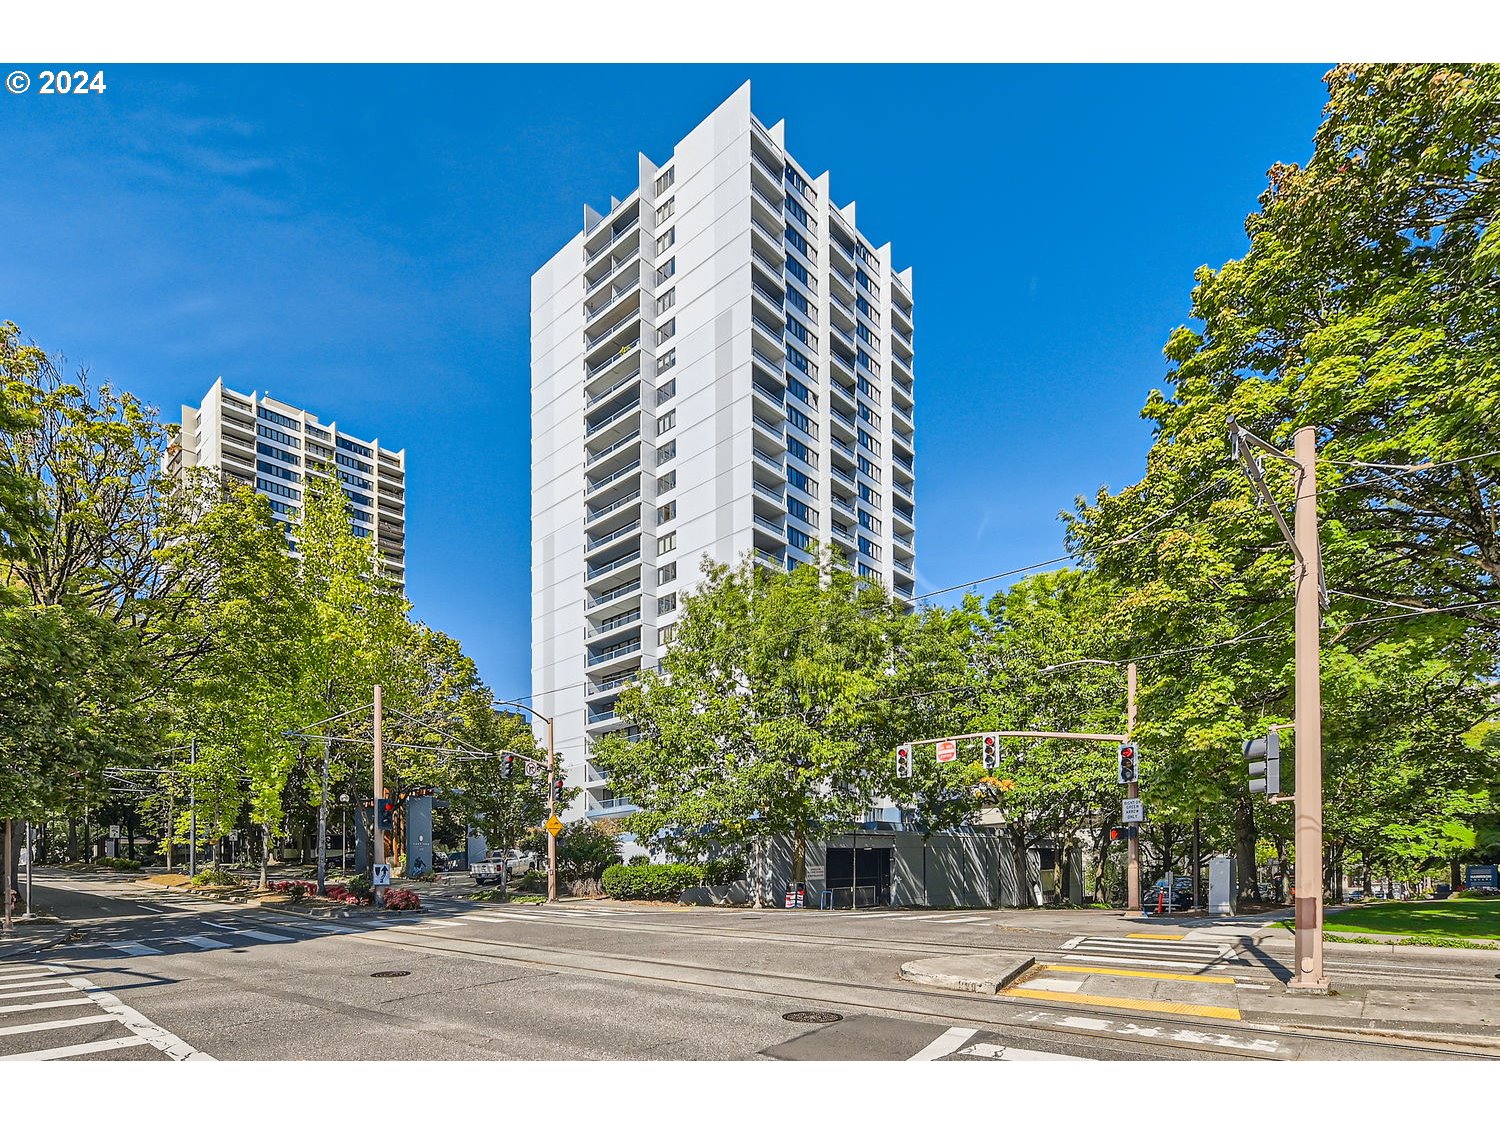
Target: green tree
{"points": [[763, 719], [478, 792]]}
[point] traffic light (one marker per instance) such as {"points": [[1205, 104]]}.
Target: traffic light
{"points": [[385, 814], [903, 760], [557, 789], [1128, 771], [508, 766], [1264, 762], [991, 752]]}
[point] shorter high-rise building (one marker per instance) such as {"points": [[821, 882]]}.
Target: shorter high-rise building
{"points": [[272, 446]]}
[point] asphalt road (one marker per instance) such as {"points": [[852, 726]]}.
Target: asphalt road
{"points": [[608, 981]]}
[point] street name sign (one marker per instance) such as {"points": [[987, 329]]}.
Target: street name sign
{"points": [[381, 876], [1132, 810], [947, 750]]}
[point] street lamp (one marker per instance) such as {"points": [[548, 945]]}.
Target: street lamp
{"points": [[1133, 788], [551, 796]]}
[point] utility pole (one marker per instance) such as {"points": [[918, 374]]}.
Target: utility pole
{"points": [[1307, 693], [551, 812], [1308, 714], [1132, 790], [323, 826], [193, 808], [30, 863], [377, 836]]}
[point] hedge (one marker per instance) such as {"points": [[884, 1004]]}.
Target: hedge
{"points": [[662, 882]]}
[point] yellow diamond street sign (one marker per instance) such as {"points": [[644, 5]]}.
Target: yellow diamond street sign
{"points": [[554, 825]]}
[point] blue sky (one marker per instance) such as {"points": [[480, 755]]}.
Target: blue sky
{"points": [[359, 240]]}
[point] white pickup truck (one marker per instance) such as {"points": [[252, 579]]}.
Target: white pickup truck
{"points": [[487, 870]]}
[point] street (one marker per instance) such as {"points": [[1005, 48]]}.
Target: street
{"points": [[153, 974]]}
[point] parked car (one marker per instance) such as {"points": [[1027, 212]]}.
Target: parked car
{"points": [[516, 863], [1178, 897]]}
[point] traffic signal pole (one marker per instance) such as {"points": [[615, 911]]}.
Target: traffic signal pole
{"points": [[1132, 790], [551, 812], [1308, 714]]}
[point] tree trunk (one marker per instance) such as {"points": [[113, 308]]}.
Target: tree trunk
{"points": [[1196, 855], [6, 874], [265, 850], [130, 825], [756, 881], [1245, 838], [1454, 875], [799, 855], [72, 839]]}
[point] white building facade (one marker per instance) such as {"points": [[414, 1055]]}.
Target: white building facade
{"points": [[271, 446], [721, 365]]}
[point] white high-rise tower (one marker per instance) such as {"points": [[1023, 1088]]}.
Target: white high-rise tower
{"points": [[722, 364]]}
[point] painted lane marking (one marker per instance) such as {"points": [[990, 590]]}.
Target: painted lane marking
{"points": [[1073, 943], [203, 942], [49, 1025], [1137, 961], [1016, 1054], [1156, 937], [1258, 987], [134, 949], [1170, 1007], [23, 970], [23, 982], [78, 1049], [44, 1004], [158, 1037], [1129, 1028], [1137, 973], [261, 935], [1186, 949], [33, 992], [945, 1044], [325, 927]]}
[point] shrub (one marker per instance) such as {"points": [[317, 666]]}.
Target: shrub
{"points": [[724, 870], [360, 885], [347, 896], [215, 877], [638, 861], [398, 898], [659, 882], [120, 864], [298, 890], [1478, 892]]}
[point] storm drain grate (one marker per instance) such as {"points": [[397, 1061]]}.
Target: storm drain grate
{"points": [[392, 973], [812, 1017]]}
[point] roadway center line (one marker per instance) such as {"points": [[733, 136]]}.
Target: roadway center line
{"points": [[945, 1044]]}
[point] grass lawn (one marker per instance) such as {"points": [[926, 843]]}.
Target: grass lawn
{"points": [[1449, 918]]}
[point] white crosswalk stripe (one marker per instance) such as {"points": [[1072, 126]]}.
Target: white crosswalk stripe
{"points": [[1166, 954], [135, 948], [203, 942], [261, 935], [26, 1035]]}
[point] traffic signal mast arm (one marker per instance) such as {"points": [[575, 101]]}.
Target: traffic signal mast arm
{"points": [[1021, 734]]}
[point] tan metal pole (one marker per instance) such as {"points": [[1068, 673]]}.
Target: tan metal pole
{"points": [[1308, 716], [377, 834], [551, 812], [1132, 790]]}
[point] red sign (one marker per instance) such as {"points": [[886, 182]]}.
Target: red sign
{"points": [[947, 750]]}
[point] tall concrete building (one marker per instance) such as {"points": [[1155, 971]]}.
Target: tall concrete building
{"points": [[720, 365], [271, 446]]}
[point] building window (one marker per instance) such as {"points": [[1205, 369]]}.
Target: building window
{"points": [[280, 419], [667, 542], [866, 335], [666, 482], [277, 471], [868, 548], [868, 467], [801, 452], [869, 495], [868, 415], [666, 331], [667, 633], [796, 418], [666, 301], [665, 574], [869, 572], [869, 443], [666, 180], [666, 452], [801, 480], [280, 454], [666, 210], [870, 523], [666, 422], [665, 241], [666, 512], [801, 511], [353, 447], [667, 603], [801, 304], [666, 362], [798, 538], [277, 435], [667, 269]]}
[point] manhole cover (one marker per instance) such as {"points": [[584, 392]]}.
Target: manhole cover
{"points": [[392, 973], [812, 1017]]}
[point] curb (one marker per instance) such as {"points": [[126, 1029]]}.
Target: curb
{"points": [[986, 974], [1491, 1042]]}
